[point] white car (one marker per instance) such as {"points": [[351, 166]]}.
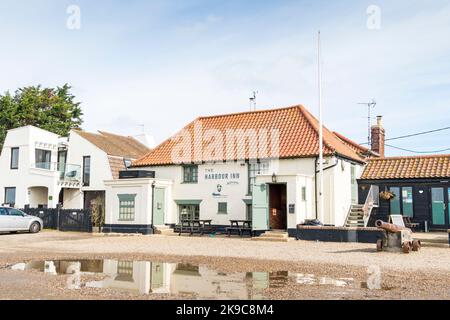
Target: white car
{"points": [[13, 220]]}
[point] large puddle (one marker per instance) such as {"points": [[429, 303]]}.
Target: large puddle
{"points": [[145, 277]]}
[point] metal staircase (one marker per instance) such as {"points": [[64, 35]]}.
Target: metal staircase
{"points": [[359, 214]]}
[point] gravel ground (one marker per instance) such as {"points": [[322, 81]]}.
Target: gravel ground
{"points": [[423, 275]]}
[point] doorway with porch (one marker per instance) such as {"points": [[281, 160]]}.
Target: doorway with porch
{"points": [[278, 206]]}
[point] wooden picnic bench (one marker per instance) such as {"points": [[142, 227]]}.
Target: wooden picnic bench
{"points": [[192, 226], [410, 224], [240, 227]]}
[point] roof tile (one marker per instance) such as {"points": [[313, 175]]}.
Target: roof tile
{"points": [[418, 167], [115, 145], [298, 137]]}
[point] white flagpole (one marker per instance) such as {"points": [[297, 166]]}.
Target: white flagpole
{"points": [[321, 202]]}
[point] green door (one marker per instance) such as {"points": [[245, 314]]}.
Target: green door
{"points": [[157, 279], [260, 210], [438, 207], [159, 206], [448, 208]]}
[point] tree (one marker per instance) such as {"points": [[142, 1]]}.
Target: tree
{"points": [[52, 109]]}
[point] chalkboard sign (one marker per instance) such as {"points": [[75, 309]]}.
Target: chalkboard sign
{"points": [[397, 219]]}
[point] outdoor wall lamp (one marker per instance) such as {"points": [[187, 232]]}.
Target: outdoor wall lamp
{"points": [[274, 178]]}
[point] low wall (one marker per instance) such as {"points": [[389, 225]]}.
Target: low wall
{"points": [[338, 234], [127, 228]]}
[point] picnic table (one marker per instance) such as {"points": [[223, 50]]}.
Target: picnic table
{"points": [[240, 226], [192, 226]]}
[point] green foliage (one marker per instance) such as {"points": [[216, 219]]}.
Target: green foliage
{"points": [[52, 109]]}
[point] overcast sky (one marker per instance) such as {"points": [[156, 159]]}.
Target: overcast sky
{"points": [[164, 63]]}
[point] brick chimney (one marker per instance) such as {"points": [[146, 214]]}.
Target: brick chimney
{"points": [[378, 137]]}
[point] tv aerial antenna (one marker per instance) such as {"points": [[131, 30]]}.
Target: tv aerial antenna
{"points": [[370, 105], [253, 101]]}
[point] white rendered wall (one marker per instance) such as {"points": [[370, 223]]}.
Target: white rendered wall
{"points": [[142, 188], [296, 173], [100, 168], [27, 139]]}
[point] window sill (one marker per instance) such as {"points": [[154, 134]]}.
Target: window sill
{"points": [[223, 213], [189, 183]]}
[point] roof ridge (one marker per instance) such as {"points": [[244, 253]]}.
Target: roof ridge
{"points": [[430, 156], [348, 140], [126, 137], [309, 117], [249, 112], [114, 134]]}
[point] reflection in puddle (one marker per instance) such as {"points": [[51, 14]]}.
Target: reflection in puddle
{"points": [[313, 280], [143, 277]]}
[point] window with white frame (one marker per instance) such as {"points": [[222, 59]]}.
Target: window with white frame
{"points": [[190, 174]]}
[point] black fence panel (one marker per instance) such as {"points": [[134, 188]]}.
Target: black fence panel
{"points": [[79, 220], [75, 220], [49, 216]]}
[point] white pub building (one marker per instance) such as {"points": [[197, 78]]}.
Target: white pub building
{"points": [[260, 166]]}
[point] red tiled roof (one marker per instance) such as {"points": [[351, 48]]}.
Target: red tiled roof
{"points": [[418, 167], [298, 138]]}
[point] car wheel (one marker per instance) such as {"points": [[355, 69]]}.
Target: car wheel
{"points": [[35, 227]]}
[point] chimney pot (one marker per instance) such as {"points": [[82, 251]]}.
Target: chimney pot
{"points": [[380, 121]]}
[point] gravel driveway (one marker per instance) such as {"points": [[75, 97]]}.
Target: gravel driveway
{"points": [[422, 275]]}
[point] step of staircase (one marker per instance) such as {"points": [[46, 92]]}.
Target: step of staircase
{"points": [[357, 220], [356, 215], [359, 225], [274, 236], [163, 230]]}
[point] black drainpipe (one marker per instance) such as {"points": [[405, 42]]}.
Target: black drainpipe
{"points": [[315, 185], [153, 205]]}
